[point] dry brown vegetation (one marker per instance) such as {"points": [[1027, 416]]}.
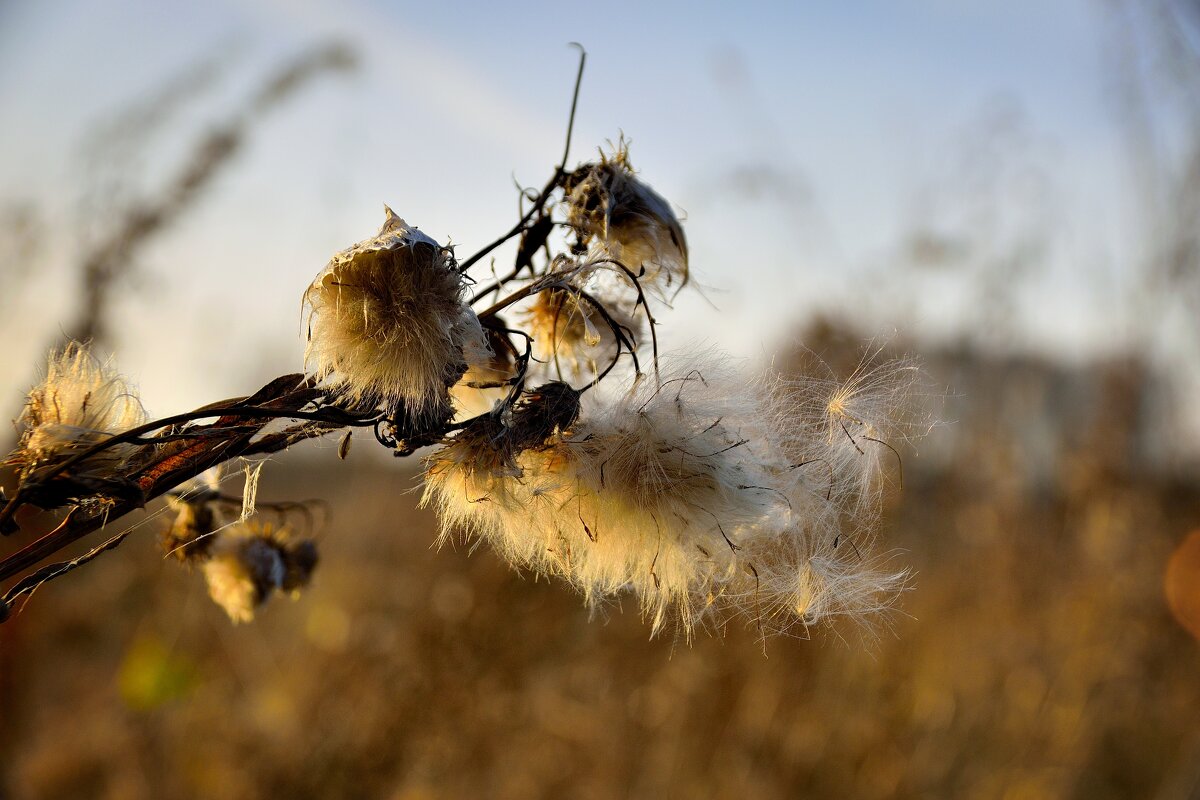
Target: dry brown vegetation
{"points": [[1034, 657]]}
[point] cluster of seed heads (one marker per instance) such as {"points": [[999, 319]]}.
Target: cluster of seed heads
{"points": [[704, 489]]}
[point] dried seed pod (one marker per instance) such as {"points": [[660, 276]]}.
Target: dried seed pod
{"points": [[629, 221], [387, 321], [250, 561], [80, 403], [190, 538]]}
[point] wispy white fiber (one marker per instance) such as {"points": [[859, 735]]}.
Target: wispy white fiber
{"points": [[686, 494]]}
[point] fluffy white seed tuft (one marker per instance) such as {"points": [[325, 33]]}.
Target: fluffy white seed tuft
{"points": [[684, 494], [387, 322], [80, 403], [854, 428], [485, 382]]}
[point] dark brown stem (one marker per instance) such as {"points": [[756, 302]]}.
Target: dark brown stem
{"points": [[187, 463], [235, 433], [540, 202], [242, 408], [516, 230]]}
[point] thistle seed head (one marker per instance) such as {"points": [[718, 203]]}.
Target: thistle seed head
{"points": [[485, 447], [387, 322], [550, 409], [80, 403], [681, 492], [190, 538], [627, 220], [250, 561]]}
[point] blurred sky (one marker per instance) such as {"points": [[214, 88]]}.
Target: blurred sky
{"points": [[804, 142]]}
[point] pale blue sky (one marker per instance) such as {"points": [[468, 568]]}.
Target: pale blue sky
{"points": [[859, 111]]}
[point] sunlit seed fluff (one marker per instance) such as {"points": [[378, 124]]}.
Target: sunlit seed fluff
{"points": [[80, 403], [628, 221], [681, 493], [484, 383], [571, 337], [853, 428], [387, 322], [249, 562], [191, 535]]}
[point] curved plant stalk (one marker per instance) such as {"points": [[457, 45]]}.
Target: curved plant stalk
{"points": [[184, 451]]}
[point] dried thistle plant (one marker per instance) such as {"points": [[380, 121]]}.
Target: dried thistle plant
{"points": [[387, 322], [705, 490]]}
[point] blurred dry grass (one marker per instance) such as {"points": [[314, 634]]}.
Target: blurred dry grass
{"points": [[1036, 656]]}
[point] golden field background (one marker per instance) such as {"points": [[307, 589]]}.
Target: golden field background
{"points": [[1034, 656]]}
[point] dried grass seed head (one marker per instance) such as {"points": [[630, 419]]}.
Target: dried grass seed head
{"points": [[627, 220], [81, 402], [387, 322]]}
